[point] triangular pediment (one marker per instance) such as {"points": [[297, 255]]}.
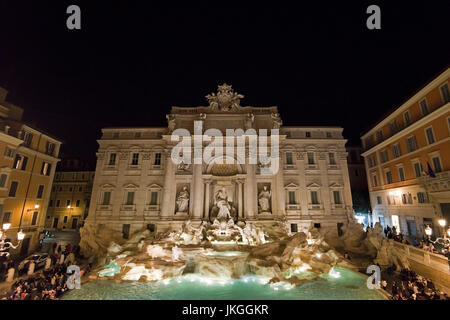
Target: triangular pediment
{"points": [[291, 186], [154, 186], [335, 185], [313, 185], [130, 186], [107, 186]]}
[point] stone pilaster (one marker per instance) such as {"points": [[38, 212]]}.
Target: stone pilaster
{"points": [[169, 189]]}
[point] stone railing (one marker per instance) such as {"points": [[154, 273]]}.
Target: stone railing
{"points": [[434, 261]]}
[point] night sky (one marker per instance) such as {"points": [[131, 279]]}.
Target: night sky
{"points": [[132, 61]]}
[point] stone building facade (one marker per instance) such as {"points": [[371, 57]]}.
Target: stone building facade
{"points": [[138, 185], [407, 159]]}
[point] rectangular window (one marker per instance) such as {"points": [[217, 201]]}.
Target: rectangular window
{"points": [[375, 181], [20, 162], [65, 219], [34, 219], [308, 134], [135, 159], [130, 198], [27, 138], [49, 148], [401, 174], [13, 188], [157, 159], [314, 197], [384, 156], [77, 204], [411, 144], [393, 127], [292, 197], [328, 134], [407, 118], [337, 197], [3, 178], [388, 177], [424, 107], [106, 198], [58, 203], [379, 135], [294, 227], [67, 203], [396, 150], [9, 152], [422, 197], [289, 158], [7, 217], [125, 231], [437, 164], [112, 159], [418, 169], [154, 198], [40, 192], [45, 169], [430, 135], [310, 158], [332, 158], [404, 201], [372, 161], [50, 203], [379, 201], [445, 92]]}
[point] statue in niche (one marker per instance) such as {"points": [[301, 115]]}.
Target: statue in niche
{"points": [[223, 209], [183, 200], [264, 199], [277, 123], [170, 122], [183, 166]]}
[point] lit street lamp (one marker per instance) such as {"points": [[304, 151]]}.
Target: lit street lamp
{"points": [[428, 232], [5, 245], [442, 223]]}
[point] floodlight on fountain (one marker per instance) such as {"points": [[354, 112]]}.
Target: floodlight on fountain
{"points": [[333, 273], [318, 255], [6, 226], [310, 241]]}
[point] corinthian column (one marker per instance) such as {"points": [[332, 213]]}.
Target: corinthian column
{"points": [[250, 190], [168, 203], [198, 192], [207, 187]]}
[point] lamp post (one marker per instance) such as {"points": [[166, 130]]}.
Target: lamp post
{"points": [[5, 245], [428, 232], [443, 223]]}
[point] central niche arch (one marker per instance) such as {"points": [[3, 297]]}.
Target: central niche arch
{"points": [[219, 167]]}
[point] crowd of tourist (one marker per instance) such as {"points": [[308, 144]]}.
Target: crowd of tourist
{"points": [[47, 284], [411, 286]]}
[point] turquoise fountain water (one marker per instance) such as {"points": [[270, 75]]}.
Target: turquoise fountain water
{"points": [[342, 284]]}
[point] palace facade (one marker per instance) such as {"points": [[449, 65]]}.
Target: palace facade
{"points": [[407, 158], [138, 185]]}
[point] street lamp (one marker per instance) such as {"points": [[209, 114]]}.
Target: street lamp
{"points": [[5, 245], [442, 223], [428, 231]]}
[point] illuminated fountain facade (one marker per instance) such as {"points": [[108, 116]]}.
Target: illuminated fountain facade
{"points": [[152, 218]]}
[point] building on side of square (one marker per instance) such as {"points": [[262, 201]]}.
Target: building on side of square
{"points": [[137, 185], [70, 197], [29, 158], [401, 150]]}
